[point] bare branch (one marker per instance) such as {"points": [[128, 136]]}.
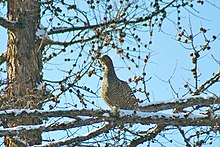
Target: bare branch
{"points": [[184, 136], [72, 42], [208, 83], [152, 133], [78, 139], [66, 29], [3, 58]]}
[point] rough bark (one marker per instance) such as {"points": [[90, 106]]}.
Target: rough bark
{"points": [[24, 67]]}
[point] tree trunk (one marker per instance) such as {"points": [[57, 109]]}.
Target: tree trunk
{"points": [[24, 68]]}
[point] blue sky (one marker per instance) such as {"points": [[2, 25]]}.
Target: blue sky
{"points": [[168, 57]]}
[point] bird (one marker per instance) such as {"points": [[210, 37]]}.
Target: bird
{"points": [[118, 94], [115, 92]]}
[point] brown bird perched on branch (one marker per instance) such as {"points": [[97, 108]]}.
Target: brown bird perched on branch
{"points": [[115, 92]]}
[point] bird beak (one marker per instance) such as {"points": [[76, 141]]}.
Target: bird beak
{"points": [[100, 61]]}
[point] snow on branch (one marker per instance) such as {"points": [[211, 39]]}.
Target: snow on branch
{"points": [[180, 103], [62, 125], [42, 32], [7, 23], [51, 113], [183, 119], [125, 116], [150, 107], [84, 117]]}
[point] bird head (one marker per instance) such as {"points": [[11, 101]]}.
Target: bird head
{"points": [[106, 61]]}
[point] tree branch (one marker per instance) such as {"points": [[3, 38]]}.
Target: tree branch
{"points": [[208, 83], [14, 113], [66, 29], [49, 127], [151, 107], [126, 116], [79, 139], [72, 42], [8, 24], [180, 103], [146, 118], [3, 58], [152, 133]]}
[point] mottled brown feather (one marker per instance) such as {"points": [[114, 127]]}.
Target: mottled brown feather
{"points": [[116, 92]]}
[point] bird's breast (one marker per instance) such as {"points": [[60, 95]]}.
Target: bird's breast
{"points": [[107, 87]]}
